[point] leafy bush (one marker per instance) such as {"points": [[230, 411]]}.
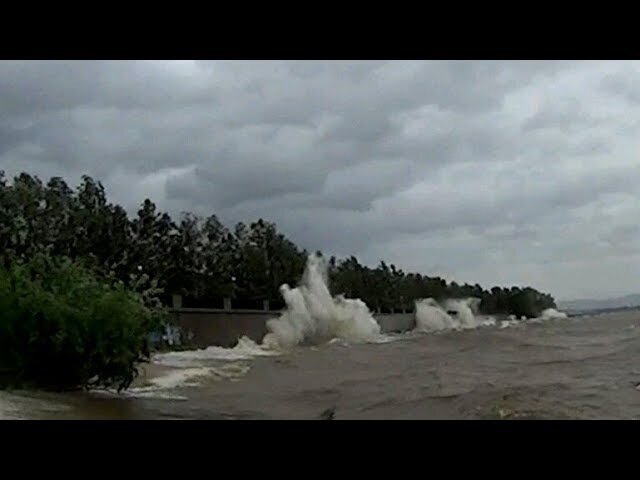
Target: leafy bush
{"points": [[62, 327]]}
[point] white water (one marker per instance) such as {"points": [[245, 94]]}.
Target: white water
{"points": [[509, 323], [176, 378], [244, 350], [548, 314], [434, 317], [160, 387], [552, 314], [157, 387], [314, 316]]}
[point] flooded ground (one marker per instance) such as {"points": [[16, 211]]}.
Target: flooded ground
{"points": [[576, 368]]}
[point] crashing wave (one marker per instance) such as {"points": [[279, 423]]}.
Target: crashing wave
{"points": [[453, 314]]}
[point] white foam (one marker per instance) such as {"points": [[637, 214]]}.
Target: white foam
{"points": [[546, 315], [160, 387], [155, 394], [431, 316], [338, 341], [244, 350], [391, 337], [552, 314], [176, 378], [483, 321], [509, 323], [232, 372], [314, 316], [157, 387]]}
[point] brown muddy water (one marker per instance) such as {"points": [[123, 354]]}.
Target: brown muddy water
{"points": [[576, 368]]}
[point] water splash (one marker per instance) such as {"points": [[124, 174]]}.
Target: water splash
{"points": [[453, 314], [552, 314], [177, 378], [314, 316], [245, 349], [512, 322], [161, 387]]}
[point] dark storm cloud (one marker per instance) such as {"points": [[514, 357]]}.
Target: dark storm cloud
{"points": [[484, 171]]}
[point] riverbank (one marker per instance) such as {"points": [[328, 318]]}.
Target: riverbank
{"points": [[581, 368]]}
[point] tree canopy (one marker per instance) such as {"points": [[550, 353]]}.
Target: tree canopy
{"points": [[202, 259]]}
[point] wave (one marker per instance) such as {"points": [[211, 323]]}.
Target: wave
{"points": [[314, 316], [245, 349], [552, 314], [452, 314]]}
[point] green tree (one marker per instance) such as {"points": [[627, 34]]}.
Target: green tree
{"points": [[63, 327], [202, 259]]}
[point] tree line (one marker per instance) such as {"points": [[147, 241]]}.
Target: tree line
{"points": [[202, 259]]}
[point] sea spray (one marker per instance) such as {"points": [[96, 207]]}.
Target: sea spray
{"points": [[245, 349], [552, 314], [313, 315], [160, 387], [452, 314]]}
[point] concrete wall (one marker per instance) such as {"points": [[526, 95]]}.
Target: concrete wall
{"points": [[395, 322], [203, 327], [214, 327]]}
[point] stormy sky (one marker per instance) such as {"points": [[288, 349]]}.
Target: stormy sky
{"points": [[494, 172]]}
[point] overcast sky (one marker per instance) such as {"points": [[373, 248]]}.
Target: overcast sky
{"points": [[522, 173]]}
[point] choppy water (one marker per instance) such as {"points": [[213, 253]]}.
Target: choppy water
{"points": [[576, 368]]}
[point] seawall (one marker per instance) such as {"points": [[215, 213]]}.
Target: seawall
{"points": [[199, 327]]}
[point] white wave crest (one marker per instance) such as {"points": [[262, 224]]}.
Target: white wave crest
{"points": [[453, 314], [245, 349], [552, 314]]}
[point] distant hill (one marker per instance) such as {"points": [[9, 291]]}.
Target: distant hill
{"points": [[606, 304]]}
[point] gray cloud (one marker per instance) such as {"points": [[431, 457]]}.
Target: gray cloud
{"points": [[490, 172], [563, 116], [623, 82]]}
